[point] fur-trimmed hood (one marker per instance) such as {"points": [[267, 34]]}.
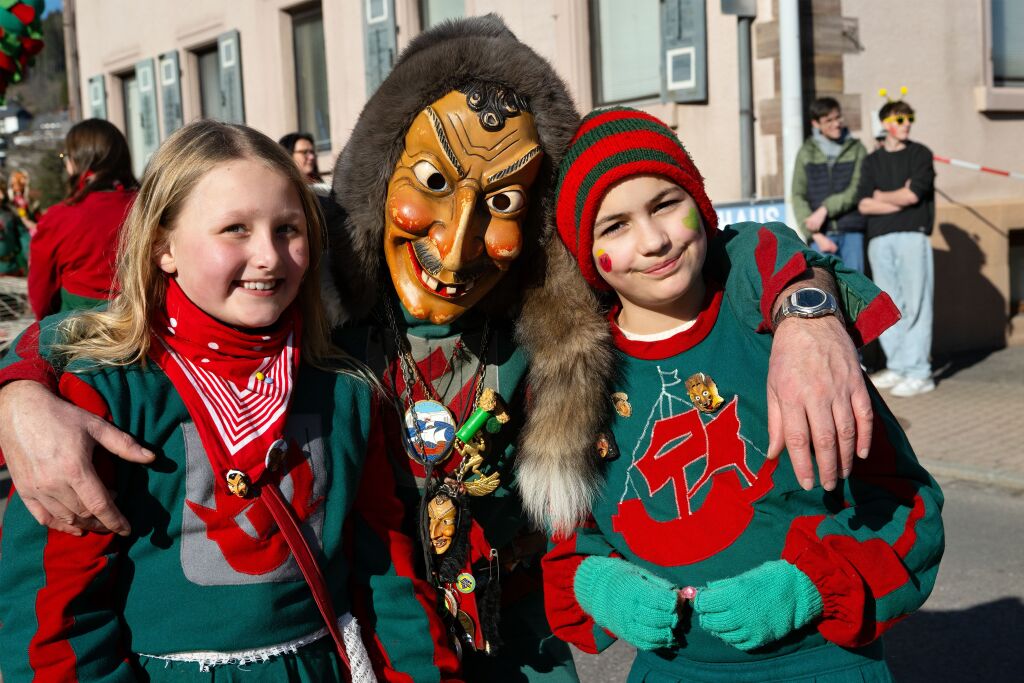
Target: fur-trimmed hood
{"points": [[558, 322]]}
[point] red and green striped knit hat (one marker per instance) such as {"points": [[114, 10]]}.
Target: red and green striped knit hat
{"points": [[612, 145]]}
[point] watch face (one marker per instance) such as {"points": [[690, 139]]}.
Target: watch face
{"points": [[809, 298]]}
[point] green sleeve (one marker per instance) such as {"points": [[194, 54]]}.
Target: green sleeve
{"points": [[58, 606], [843, 202], [756, 262], [31, 355], [875, 558], [801, 209]]}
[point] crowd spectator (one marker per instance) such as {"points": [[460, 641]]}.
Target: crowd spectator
{"points": [[21, 201], [825, 181], [897, 195], [303, 150], [11, 230], [72, 253]]}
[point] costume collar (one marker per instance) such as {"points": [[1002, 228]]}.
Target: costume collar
{"points": [[235, 383], [677, 343]]}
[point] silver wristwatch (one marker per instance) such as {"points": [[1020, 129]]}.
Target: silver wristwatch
{"points": [[806, 302]]}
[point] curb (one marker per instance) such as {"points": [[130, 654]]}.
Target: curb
{"points": [[1002, 479]]}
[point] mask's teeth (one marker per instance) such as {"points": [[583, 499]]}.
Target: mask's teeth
{"points": [[450, 291]]}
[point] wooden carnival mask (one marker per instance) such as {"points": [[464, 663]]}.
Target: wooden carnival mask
{"points": [[457, 199], [442, 513]]}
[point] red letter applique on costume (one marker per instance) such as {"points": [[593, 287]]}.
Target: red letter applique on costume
{"points": [[677, 442]]}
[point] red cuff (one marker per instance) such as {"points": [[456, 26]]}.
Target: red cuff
{"points": [[567, 619], [844, 596], [880, 315]]}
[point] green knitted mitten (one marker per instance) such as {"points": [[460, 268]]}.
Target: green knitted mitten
{"points": [[759, 606], [629, 601]]}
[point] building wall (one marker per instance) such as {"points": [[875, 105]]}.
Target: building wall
{"points": [[937, 49], [940, 52]]}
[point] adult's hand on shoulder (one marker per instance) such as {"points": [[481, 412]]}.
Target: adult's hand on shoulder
{"points": [[48, 444], [817, 397]]}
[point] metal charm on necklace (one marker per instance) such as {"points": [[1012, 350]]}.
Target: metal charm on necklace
{"points": [[429, 432], [490, 414]]}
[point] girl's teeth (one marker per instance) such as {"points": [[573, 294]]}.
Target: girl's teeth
{"points": [[258, 285]]}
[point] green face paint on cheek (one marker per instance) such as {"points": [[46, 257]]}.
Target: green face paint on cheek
{"points": [[692, 220]]}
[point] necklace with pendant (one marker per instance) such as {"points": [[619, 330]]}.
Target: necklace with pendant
{"points": [[429, 425]]}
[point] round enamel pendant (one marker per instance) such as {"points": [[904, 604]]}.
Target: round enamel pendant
{"points": [[429, 432]]}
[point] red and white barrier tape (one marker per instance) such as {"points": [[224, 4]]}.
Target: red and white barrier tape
{"points": [[979, 167]]}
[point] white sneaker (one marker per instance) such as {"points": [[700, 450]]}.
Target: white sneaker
{"points": [[911, 386], [886, 379]]}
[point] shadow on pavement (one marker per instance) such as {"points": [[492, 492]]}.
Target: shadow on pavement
{"points": [[946, 367], [977, 644]]}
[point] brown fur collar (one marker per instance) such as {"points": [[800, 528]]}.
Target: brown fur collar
{"points": [[558, 322]]}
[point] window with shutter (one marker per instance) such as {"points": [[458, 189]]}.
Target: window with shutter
{"points": [[684, 50], [625, 50], [229, 63], [380, 40], [311, 92], [170, 91], [149, 126], [97, 97], [433, 12]]}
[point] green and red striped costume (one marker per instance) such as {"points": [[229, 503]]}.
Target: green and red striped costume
{"points": [[693, 498], [83, 608], [529, 651]]}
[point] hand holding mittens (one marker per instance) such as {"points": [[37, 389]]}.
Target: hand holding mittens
{"points": [[759, 606], [629, 601]]}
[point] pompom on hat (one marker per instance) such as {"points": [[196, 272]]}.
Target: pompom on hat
{"points": [[612, 145]]}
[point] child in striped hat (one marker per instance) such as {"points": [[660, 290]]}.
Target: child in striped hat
{"points": [[704, 553]]}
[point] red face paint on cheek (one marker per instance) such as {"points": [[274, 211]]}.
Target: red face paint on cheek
{"points": [[604, 260]]}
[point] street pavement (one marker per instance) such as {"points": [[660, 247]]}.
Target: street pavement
{"points": [[972, 426]]}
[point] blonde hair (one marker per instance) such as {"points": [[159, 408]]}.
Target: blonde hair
{"points": [[120, 334]]}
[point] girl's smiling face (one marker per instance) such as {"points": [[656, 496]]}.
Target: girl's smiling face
{"points": [[650, 243], [239, 246]]}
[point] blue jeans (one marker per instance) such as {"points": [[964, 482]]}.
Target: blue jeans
{"points": [[851, 248], [901, 265]]}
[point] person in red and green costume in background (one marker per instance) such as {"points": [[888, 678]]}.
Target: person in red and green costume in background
{"points": [[450, 285], [701, 551], [72, 252]]}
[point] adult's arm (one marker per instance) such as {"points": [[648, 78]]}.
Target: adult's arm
{"points": [[48, 443], [817, 396], [869, 206], [815, 387], [901, 198]]}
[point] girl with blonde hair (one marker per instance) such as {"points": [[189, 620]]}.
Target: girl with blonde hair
{"points": [[253, 542]]}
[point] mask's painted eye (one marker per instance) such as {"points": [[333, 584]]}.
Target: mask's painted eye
{"points": [[429, 176], [506, 202]]}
